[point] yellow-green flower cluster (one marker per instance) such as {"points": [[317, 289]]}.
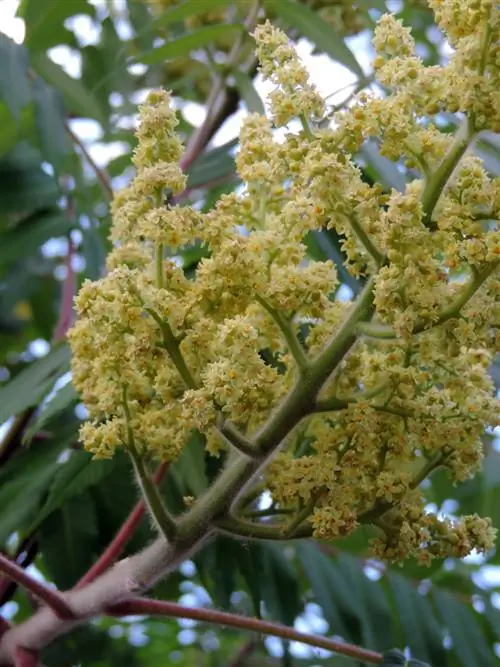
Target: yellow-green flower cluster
{"points": [[157, 355]]}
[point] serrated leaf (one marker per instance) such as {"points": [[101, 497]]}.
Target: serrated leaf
{"points": [[247, 92], [187, 43], [33, 382], [78, 99], [322, 35], [61, 400], [469, 643], [71, 479]]}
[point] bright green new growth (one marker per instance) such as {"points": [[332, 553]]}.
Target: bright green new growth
{"points": [[350, 405]]}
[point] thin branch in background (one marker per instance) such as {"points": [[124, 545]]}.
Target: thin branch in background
{"points": [[25, 555], [173, 610], [100, 173], [217, 98], [123, 537], [53, 599], [68, 293], [244, 652]]}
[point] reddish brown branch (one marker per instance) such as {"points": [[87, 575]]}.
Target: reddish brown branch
{"points": [[29, 549], [171, 609], [68, 293], [123, 536], [101, 174], [53, 599], [26, 658]]}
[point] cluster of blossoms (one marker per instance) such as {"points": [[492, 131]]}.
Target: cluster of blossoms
{"points": [[158, 354]]}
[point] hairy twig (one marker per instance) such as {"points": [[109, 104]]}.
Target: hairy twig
{"points": [[123, 536]]}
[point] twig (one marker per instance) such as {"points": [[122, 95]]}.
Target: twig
{"points": [[174, 610], [123, 536], [100, 173], [216, 100], [68, 293], [244, 652], [51, 598], [8, 587]]}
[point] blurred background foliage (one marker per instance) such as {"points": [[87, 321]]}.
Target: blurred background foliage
{"points": [[68, 99]]}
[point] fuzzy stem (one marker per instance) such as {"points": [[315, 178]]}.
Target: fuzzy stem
{"points": [[52, 599], [150, 493], [123, 536], [174, 610]]}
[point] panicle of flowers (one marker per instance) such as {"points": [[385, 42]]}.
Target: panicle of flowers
{"points": [[158, 354]]}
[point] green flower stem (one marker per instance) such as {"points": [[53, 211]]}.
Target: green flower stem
{"points": [[365, 240], [298, 525], [385, 331], [258, 514], [149, 490], [235, 438], [260, 531], [306, 126], [341, 402], [296, 349], [158, 511], [437, 181]]}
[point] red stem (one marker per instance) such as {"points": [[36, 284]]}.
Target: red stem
{"points": [[68, 293], [25, 657], [52, 599], [160, 608], [122, 538]]}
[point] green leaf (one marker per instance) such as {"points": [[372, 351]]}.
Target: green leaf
{"points": [[212, 166], [247, 92], [72, 478], [23, 480], [189, 469], [386, 172], [45, 20], [280, 587], [27, 237], [50, 124], [15, 87], [469, 643], [9, 132], [24, 190], [33, 382], [78, 99], [184, 10], [69, 540], [187, 43], [418, 623], [329, 588], [321, 34], [61, 400]]}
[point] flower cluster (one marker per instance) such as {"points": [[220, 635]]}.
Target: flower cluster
{"points": [[158, 354]]}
